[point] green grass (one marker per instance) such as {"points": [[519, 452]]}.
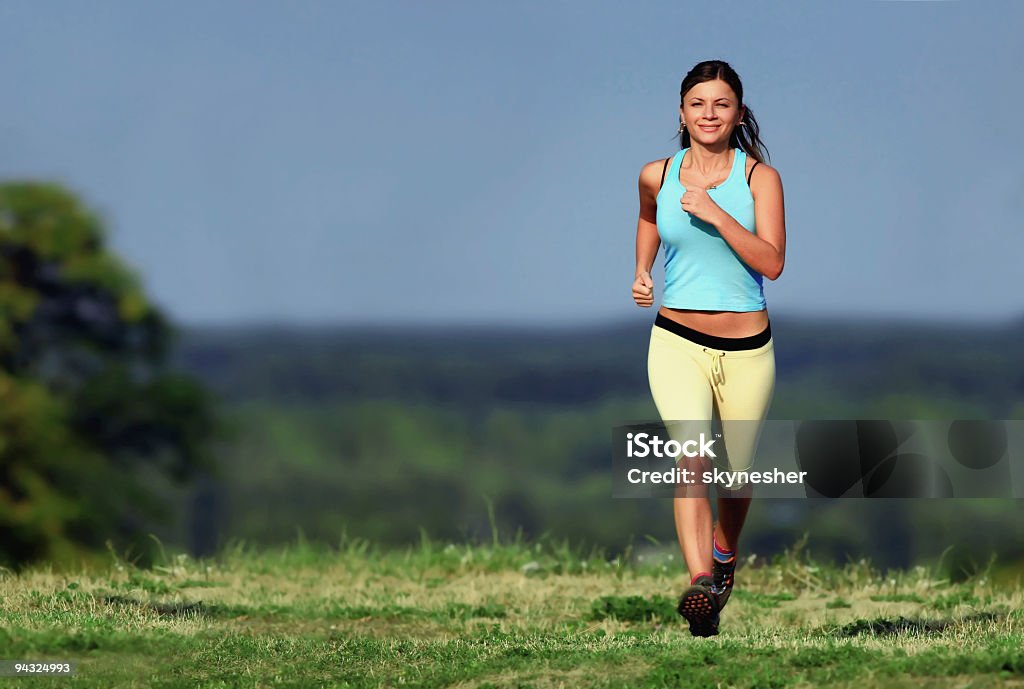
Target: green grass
{"points": [[503, 615]]}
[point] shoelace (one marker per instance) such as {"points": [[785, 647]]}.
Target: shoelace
{"points": [[723, 575], [717, 371]]}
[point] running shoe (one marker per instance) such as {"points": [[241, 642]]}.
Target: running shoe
{"points": [[699, 606], [722, 574]]}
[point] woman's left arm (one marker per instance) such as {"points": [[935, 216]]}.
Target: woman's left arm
{"points": [[764, 251]]}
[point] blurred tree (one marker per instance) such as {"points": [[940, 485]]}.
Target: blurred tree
{"points": [[92, 419]]}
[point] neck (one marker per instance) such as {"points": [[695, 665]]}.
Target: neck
{"points": [[709, 159]]}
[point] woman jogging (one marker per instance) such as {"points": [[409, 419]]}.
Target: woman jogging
{"points": [[718, 208]]}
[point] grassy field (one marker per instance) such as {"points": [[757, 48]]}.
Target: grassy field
{"points": [[510, 614]]}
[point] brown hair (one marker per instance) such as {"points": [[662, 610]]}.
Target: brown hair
{"points": [[746, 136]]}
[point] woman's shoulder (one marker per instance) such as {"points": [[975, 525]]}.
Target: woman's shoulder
{"points": [[652, 173], [659, 166], [764, 171]]}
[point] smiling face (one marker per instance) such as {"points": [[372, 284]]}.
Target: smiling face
{"points": [[711, 103]]}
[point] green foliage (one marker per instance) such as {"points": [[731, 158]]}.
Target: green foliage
{"points": [[92, 418]]}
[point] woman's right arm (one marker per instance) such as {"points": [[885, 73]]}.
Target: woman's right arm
{"points": [[647, 239]]}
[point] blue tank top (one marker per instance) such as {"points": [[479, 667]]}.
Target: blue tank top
{"points": [[701, 270]]}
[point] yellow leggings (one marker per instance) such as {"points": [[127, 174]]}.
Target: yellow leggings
{"points": [[697, 384]]}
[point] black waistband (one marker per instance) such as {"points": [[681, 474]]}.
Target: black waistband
{"points": [[728, 344]]}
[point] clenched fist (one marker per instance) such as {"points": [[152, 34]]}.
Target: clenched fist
{"points": [[643, 290]]}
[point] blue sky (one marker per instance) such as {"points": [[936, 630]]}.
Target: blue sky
{"points": [[477, 162]]}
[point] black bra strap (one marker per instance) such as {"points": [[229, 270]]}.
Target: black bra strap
{"points": [[752, 171], [663, 169]]}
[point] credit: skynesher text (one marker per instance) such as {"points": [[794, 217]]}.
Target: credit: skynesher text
{"points": [[727, 478]]}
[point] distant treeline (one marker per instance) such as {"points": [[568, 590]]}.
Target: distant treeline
{"points": [[969, 367], [384, 432]]}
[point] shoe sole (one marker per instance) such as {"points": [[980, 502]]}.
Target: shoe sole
{"points": [[698, 608]]}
